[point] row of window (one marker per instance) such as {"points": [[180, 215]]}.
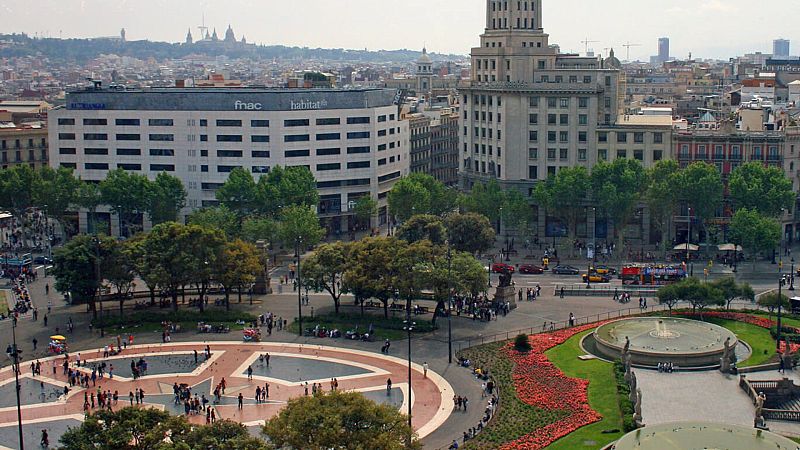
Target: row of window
{"points": [[18, 143], [225, 122], [622, 137]]}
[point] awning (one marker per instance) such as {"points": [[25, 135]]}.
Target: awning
{"points": [[730, 248], [692, 247]]}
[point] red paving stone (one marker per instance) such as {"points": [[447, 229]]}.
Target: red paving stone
{"points": [[432, 396]]}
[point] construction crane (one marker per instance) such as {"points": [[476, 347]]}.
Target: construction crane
{"points": [[628, 46], [586, 43]]}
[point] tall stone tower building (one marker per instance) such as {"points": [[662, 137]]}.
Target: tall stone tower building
{"points": [[424, 74], [529, 109]]}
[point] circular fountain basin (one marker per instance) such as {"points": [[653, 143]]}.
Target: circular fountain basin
{"points": [[697, 435], [683, 342]]}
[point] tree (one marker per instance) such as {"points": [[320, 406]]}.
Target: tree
{"points": [[411, 269], [300, 222], [469, 232], [423, 227], [238, 194], [55, 191], [285, 187], [219, 217], [237, 267], [150, 274], [127, 194], [205, 248], [119, 269], [170, 257], [369, 273], [732, 291], [754, 232], [340, 420], [616, 189], [325, 268], [517, 211], [167, 199], [259, 229], [661, 195], [420, 193], [462, 274], [220, 435], [563, 195], [669, 295], [125, 429], [408, 198], [700, 295], [771, 301], [365, 208], [17, 186], [88, 197], [486, 199], [81, 265], [700, 186], [762, 188]]}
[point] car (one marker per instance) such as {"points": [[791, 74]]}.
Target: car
{"points": [[604, 270], [502, 267], [597, 278], [566, 270], [531, 269], [42, 260]]}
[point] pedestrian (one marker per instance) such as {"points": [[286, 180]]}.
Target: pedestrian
{"points": [[250, 373], [562, 292], [195, 356], [35, 341], [241, 401], [45, 320], [389, 386], [571, 320], [425, 368]]}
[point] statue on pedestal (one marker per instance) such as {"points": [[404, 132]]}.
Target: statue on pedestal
{"points": [[725, 361], [787, 356], [637, 409], [634, 385], [505, 278]]}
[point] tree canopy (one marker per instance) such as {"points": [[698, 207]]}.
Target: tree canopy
{"points": [[340, 420], [761, 188]]}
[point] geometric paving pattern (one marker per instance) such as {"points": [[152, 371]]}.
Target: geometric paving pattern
{"points": [[292, 367]]}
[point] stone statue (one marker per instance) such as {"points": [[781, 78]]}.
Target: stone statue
{"points": [[634, 385], [627, 349], [505, 278], [627, 362], [637, 409], [787, 356], [725, 361], [760, 400]]}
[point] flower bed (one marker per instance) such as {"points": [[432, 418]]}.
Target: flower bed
{"points": [[758, 321], [540, 384]]}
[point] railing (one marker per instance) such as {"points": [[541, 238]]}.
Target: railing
{"points": [[781, 414], [748, 388], [603, 290], [764, 385]]}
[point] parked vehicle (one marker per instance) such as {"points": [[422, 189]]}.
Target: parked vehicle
{"points": [[597, 278]]}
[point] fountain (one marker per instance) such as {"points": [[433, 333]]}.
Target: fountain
{"points": [[702, 435], [652, 340]]}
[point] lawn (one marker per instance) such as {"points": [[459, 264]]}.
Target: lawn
{"points": [[602, 395], [757, 338], [5, 301]]}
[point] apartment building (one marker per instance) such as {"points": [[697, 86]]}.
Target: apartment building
{"points": [[353, 141]]}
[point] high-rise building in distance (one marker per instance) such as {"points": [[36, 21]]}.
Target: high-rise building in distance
{"points": [[663, 49], [780, 48]]}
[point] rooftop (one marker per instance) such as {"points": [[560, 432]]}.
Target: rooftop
{"points": [[645, 120]]}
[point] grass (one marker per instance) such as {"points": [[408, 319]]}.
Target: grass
{"points": [[603, 396], [391, 328], [759, 340]]}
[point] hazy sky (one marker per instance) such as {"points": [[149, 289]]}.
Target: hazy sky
{"points": [[707, 28]]}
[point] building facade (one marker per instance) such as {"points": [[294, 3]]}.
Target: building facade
{"points": [[23, 144], [353, 141], [434, 144]]}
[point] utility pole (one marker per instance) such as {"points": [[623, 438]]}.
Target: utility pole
{"points": [[16, 380]]}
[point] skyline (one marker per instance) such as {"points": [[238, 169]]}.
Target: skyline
{"points": [[713, 30]]}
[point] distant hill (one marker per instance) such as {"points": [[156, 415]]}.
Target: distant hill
{"points": [[82, 50]]}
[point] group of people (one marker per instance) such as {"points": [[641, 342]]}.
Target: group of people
{"points": [[271, 321], [666, 367], [139, 368], [105, 399], [262, 394], [22, 298], [531, 293]]}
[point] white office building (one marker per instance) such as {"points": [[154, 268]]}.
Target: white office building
{"points": [[351, 140]]}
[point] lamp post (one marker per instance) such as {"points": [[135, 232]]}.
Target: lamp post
{"points": [[791, 276], [780, 301], [299, 294], [15, 354], [408, 328], [689, 235], [449, 306]]}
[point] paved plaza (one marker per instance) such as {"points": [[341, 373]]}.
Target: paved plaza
{"points": [[293, 368]]}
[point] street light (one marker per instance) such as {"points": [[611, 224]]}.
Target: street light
{"points": [[780, 301], [449, 306], [16, 352], [689, 235], [299, 294], [791, 276], [408, 328]]}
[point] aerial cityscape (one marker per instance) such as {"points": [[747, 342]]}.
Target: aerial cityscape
{"points": [[505, 225]]}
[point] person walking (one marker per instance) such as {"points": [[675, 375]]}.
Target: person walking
{"points": [[425, 368]]}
